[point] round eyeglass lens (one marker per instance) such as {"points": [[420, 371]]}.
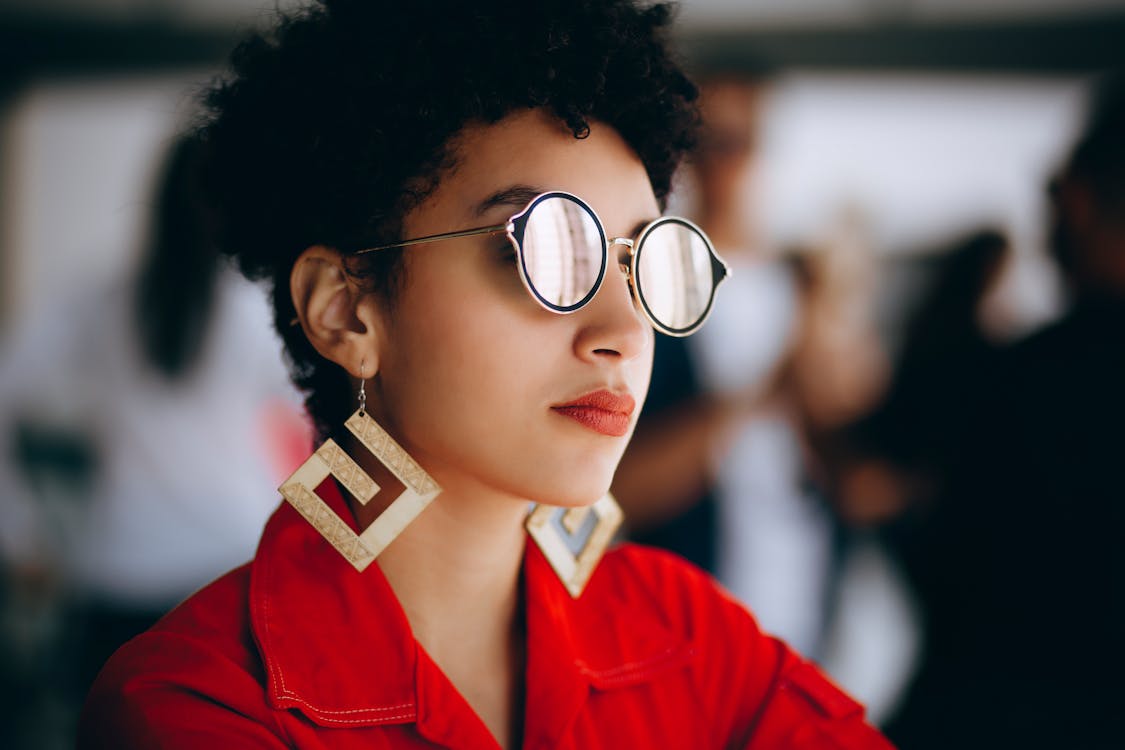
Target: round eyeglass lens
{"points": [[674, 277], [563, 252]]}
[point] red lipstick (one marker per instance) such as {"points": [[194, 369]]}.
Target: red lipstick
{"points": [[601, 411]]}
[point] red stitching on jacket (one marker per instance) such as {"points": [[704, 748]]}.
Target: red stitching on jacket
{"points": [[633, 669]]}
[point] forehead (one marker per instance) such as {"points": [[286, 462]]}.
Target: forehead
{"points": [[531, 148]]}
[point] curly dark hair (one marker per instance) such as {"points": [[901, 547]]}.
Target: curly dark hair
{"points": [[335, 124]]}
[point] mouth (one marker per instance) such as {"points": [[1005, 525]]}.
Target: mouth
{"points": [[601, 411]]}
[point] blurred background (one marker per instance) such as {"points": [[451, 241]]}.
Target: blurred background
{"points": [[898, 439]]}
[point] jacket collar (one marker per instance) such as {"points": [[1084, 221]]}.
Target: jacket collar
{"points": [[336, 644]]}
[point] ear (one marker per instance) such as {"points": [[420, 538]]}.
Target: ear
{"points": [[341, 322]]}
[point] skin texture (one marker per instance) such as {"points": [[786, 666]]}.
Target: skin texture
{"points": [[463, 371]]}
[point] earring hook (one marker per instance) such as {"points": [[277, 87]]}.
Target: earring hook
{"points": [[362, 391]]}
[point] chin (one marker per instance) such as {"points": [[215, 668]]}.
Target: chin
{"points": [[565, 479], [568, 493]]}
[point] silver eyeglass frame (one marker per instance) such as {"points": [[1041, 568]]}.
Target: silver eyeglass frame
{"points": [[627, 257]]}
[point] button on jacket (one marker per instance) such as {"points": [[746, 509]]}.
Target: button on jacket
{"points": [[297, 649]]}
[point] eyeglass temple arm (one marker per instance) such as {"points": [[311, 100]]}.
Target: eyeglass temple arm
{"points": [[494, 229]]}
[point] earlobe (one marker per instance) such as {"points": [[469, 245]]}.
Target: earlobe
{"points": [[327, 300]]}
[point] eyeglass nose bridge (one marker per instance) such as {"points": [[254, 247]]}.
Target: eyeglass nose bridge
{"points": [[625, 249], [624, 252]]}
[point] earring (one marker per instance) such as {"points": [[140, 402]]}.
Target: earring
{"points": [[331, 460], [574, 539]]}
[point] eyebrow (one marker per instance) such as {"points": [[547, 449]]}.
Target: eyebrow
{"points": [[514, 195], [520, 195]]}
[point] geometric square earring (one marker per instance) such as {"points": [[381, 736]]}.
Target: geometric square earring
{"points": [[331, 460], [574, 539]]}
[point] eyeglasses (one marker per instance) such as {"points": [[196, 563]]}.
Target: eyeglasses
{"points": [[563, 253]]}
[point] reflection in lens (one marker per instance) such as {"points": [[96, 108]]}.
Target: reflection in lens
{"points": [[674, 275], [563, 251]]}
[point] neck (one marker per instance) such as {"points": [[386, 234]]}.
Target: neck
{"points": [[456, 571], [456, 568]]}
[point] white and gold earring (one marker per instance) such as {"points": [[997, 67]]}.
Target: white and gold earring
{"points": [[574, 539], [331, 460]]}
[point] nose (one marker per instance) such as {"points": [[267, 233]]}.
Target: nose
{"points": [[611, 326]]}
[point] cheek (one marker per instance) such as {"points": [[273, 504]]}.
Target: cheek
{"points": [[463, 359], [468, 379]]}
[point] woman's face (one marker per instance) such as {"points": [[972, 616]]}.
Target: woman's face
{"points": [[471, 370]]}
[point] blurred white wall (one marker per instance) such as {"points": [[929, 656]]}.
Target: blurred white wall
{"points": [[80, 159], [921, 159]]}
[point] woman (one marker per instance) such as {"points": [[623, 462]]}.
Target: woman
{"points": [[444, 196]]}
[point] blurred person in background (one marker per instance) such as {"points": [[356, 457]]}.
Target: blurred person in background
{"points": [[1019, 559], [723, 468], [890, 469], [938, 381], [665, 479], [139, 422]]}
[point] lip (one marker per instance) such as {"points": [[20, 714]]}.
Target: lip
{"points": [[602, 411]]}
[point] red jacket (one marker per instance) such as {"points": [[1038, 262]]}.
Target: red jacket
{"points": [[297, 649]]}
